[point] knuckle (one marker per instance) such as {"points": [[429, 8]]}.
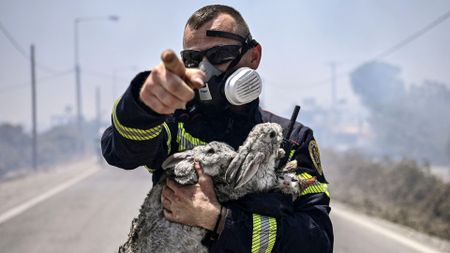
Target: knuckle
{"points": [[173, 83], [155, 105], [146, 88], [157, 70], [167, 99], [190, 95], [145, 98], [173, 102], [179, 89]]}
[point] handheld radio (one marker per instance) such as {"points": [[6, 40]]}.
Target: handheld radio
{"points": [[287, 143]]}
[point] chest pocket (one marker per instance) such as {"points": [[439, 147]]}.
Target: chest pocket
{"points": [[185, 140]]}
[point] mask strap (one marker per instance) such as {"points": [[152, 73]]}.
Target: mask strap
{"points": [[247, 43]]}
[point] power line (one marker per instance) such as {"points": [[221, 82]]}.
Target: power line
{"points": [[14, 87], [14, 43], [19, 86], [396, 47], [414, 36], [22, 51], [104, 75]]}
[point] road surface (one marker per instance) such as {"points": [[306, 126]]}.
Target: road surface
{"points": [[93, 213]]}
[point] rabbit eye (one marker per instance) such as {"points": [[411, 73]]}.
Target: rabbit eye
{"points": [[272, 134], [210, 151]]}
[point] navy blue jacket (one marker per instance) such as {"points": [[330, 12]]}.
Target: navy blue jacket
{"points": [[263, 222]]}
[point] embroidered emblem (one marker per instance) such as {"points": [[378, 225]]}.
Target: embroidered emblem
{"points": [[314, 153]]}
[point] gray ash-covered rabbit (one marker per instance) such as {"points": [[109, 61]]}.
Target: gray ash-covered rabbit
{"points": [[235, 174]]}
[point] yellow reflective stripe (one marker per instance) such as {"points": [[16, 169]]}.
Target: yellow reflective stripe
{"points": [[185, 140], [291, 154], [305, 175], [134, 133], [256, 233], [264, 233], [169, 137], [272, 235], [317, 187], [149, 169]]}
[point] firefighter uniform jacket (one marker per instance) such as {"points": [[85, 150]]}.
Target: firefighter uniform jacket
{"points": [[262, 222]]}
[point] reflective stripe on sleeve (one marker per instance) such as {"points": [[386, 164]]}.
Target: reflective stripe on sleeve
{"points": [[291, 154], [264, 233], [149, 169], [169, 137], [317, 187], [185, 140], [134, 133]]}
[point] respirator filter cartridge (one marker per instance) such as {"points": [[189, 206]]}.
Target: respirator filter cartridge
{"points": [[243, 86]]}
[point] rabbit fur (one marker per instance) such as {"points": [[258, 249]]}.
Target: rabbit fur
{"points": [[235, 174]]}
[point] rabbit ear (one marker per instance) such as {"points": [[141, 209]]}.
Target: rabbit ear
{"points": [[172, 160], [249, 168], [235, 166]]}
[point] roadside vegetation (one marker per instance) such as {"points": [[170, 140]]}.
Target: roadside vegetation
{"points": [[400, 191], [55, 146]]}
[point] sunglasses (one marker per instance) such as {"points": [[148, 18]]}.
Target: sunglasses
{"points": [[216, 55]]}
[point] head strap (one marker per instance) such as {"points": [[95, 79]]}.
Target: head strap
{"points": [[247, 43]]}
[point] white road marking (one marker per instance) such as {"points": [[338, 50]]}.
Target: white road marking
{"points": [[385, 232], [11, 213]]}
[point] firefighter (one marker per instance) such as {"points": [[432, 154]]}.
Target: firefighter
{"points": [[212, 95]]}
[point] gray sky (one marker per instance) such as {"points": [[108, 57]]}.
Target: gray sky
{"points": [[299, 40]]}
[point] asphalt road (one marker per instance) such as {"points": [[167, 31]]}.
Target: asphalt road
{"points": [[355, 232], [95, 213]]}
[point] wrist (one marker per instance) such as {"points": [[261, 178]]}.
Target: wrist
{"points": [[215, 213], [214, 234], [220, 221], [223, 217]]}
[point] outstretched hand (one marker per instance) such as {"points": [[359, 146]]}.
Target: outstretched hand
{"points": [[194, 205], [170, 85]]}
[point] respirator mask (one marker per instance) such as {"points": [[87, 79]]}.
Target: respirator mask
{"points": [[234, 86]]}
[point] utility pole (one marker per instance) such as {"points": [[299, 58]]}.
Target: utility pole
{"points": [[333, 84], [98, 124], [98, 108], [79, 117], [79, 105], [33, 109]]}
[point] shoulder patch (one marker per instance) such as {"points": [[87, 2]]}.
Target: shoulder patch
{"points": [[314, 153]]}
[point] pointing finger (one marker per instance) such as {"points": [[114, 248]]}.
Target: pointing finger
{"points": [[173, 63], [193, 77]]}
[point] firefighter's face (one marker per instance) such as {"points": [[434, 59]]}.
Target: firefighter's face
{"points": [[197, 39]]}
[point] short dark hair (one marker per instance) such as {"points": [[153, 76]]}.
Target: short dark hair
{"points": [[210, 12]]}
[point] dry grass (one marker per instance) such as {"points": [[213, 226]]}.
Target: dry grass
{"points": [[399, 191]]}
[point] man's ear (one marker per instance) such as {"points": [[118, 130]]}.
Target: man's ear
{"points": [[255, 56]]}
